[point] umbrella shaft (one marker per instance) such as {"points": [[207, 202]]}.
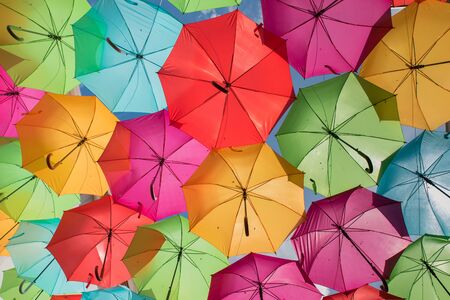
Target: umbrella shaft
{"points": [[17, 189], [430, 182], [180, 254], [260, 289], [65, 156], [435, 276], [11, 229], [246, 228]]}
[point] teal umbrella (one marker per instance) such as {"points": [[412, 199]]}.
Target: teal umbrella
{"points": [[9, 288], [115, 293]]}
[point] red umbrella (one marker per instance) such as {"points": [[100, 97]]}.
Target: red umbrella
{"points": [[91, 240], [365, 292], [227, 81]]}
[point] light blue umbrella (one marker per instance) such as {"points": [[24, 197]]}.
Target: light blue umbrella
{"points": [[115, 293], [418, 175], [120, 46]]}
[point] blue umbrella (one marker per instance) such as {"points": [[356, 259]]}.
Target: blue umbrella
{"points": [[418, 175], [115, 293]]}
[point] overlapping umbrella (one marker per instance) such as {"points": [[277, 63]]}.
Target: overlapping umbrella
{"points": [[115, 293], [10, 288], [365, 292], [188, 6], [7, 229]]}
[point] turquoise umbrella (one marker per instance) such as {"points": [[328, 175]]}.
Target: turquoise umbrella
{"points": [[115, 293]]}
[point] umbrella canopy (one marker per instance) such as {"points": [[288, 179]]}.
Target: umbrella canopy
{"points": [[407, 2], [235, 84], [66, 297], [245, 199], [10, 288], [418, 175], [170, 262], [39, 32], [365, 292], [261, 277], [347, 239], [339, 131], [410, 61], [115, 293], [15, 102], [7, 229], [325, 37], [62, 138], [147, 161], [34, 263], [24, 196], [91, 240], [188, 6], [422, 270], [121, 44]]}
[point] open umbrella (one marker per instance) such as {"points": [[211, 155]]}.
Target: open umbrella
{"points": [[422, 271], [39, 32], [410, 60], [15, 102], [365, 292], [170, 262], [7, 229], [325, 37], [347, 239], [407, 2], [121, 44], [9, 289], [188, 6], [339, 131], [62, 138], [418, 175], [24, 196], [235, 84], [66, 297], [147, 161], [245, 199], [262, 277], [91, 240], [115, 293]]}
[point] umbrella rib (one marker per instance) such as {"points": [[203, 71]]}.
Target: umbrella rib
{"points": [[222, 120], [126, 26], [303, 10], [352, 24], [433, 81], [231, 169], [149, 81], [261, 197], [371, 136], [262, 224], [432, 207], [262, 92], [126, 86], [107, 68], [26, 17], [422, 58], [253, 167], [63, 27]]}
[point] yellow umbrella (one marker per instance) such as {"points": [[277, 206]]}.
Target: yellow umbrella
{"points": [[62, 138], [413, 61], [7, 229], [245, 199]]}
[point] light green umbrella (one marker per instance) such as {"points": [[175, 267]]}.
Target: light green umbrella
{"points": [[23, 196], [9, 289], [339, 131], [188, 6]]}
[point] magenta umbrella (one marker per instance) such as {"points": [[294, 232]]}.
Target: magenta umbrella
{"points": [[257, 276], [351, 239], [15, 102], [327, 36], [147, 161]]}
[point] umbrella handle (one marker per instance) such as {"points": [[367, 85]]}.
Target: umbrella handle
{"points": [[314, 185], [247, 232], [219, 87], [10, 28], [140, 207], [446, 135], [98, 276], [114, 46], [369, 169], [29, 286], [257, 29], [49, 163], [131, 2]]}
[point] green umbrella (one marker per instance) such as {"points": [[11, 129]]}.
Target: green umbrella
{"points": [[9, 289], [423, 270], [339, 131], [169, 262], [40, 33], [187, 6], [23, 196]]}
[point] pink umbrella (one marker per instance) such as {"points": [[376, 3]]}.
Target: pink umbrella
{"points": [[262, 277], [347, 240], [327, 36], [147, 161], [14, 103]]}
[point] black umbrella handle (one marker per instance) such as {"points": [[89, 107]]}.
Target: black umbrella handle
{"points": [[10, 29], [49, 156], [433, 273], [246, 227], [140, 208], [114, 46], [258, 29], [314, 185], [99, 275], [219, 87], [30, 285], [369, 169]]}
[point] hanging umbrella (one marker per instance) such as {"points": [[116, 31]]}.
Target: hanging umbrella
{"points": [[418, 175], [188, 6], [347, 239], [410, 61], [262, 277], [39, 32], [407, 2], [147, 161], [121, 44], [15, 102], [115, 293], [91, 240], [245, 199], [23, 196], [365, 292], [325, 37], [339, 131], [62, 138], [7, 229], [235, 84], [422, 270], [170, 262], [9, 289], [66, 297]]}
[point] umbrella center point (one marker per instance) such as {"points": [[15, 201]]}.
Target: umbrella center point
{"points": [[244, 193], [139, 56], [416, 67], [12, 93], [162, 160], [319, 13], [83, 140], [55, 37]]}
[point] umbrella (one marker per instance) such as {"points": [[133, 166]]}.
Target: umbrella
{"points": [[91, 240], [261, 277], [147, 161], [235, 84], [7, 229], [34, 263], [406, 2], [66, 297], [121, 44], [245, 199], [325, 37], [410, 60], [23, 196], [188, 6], [422, 270], [15, 102], [347, 239], [339, 131], [39, 32], [418, 175], [10, 288], [115, 293], [170, 262], [62, 138], [365, 292]]}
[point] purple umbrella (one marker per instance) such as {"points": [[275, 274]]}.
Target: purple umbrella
{"points": [[327, 36], [147, 161], [347, 240]]}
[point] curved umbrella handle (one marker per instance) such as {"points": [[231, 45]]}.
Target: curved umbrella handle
{"points": [[10, 29], [314, 185], [369, 169], [257, 29], [140, 208], [152, 191], [49, 163], [114, 46], [219, 87], [446, 135], [29, 286], [89, 281], [98, 276]]}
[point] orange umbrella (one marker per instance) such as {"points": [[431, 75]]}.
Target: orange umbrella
{"points": [[62, 138], [7, 229], [245, 199]]}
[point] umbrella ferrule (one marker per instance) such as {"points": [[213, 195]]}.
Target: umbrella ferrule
{"points": [[139, 56], [54, 37], [416, 67], [11, 93]]}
